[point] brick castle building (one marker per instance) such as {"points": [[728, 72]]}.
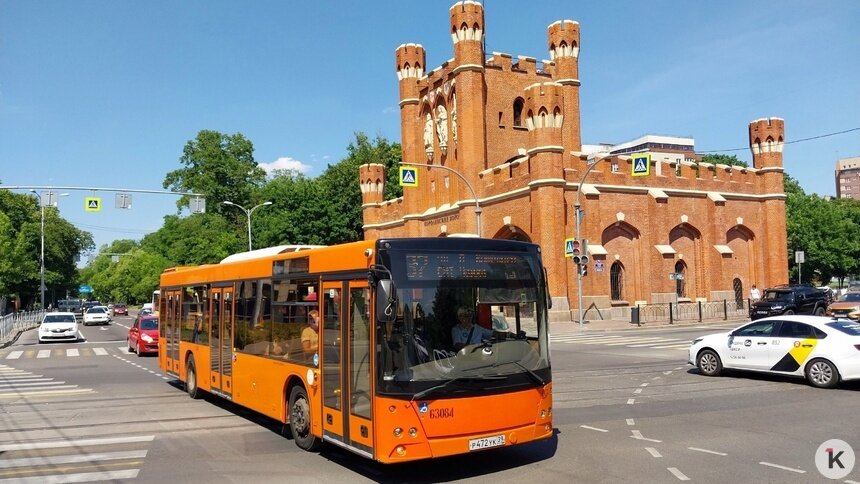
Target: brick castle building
{"points": [[511, 127]]}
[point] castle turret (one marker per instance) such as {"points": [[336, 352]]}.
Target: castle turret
{"points": [[766, 141], [372, 182], [467, 33], [411, 61], [563, 39]]}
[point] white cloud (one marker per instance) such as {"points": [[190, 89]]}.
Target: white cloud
{"points": [[286, 163]]}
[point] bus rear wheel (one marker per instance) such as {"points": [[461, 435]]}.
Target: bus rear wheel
{"points": [[191, 381], [300, 420]]}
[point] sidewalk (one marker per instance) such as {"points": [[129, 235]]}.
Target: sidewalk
{"points": [[558, 327]]}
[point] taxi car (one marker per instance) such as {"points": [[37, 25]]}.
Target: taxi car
{"points": [[96, 315], [823, 350], [143, 335], [58, 326]]}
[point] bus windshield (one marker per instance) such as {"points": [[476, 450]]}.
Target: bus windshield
{"points": [[464, 322]]}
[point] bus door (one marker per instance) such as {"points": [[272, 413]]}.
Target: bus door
{"points": [[346, 364], [220, 341], [169, 321]]}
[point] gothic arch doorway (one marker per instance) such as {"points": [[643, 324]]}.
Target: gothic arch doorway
{"points": [[512, 232], [616, 281], [681, 279], [738, 287]]}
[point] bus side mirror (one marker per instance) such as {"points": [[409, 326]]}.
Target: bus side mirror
{"points": [[386, 303]]}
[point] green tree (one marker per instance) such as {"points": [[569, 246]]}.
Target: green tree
{"points": [[731, 160], [202, 238], [219, 166]]}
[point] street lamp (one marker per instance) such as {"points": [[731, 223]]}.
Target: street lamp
{"points": [[248, 213], [474, 195], [579, 213], [53, 203]]}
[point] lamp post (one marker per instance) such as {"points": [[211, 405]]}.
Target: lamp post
{"points": [[42, 249], [248, 214], [474, 195], [579, 213]]}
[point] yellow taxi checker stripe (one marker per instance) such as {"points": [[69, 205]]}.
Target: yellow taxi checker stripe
{"points": [[801, 351]]}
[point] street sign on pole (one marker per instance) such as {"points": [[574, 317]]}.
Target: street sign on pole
{"points": [[568, 247], [122, 200], [93, 204], [799, 255]]}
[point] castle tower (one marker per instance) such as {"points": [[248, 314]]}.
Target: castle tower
{"points": [[411, 61], [372, 183], [544, 119], [467, 33], [563, 38], [767, 137]]}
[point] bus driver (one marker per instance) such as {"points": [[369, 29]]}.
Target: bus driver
{"points": [[465, 332]]}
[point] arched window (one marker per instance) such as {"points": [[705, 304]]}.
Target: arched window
{"points": [[616, 281], [738, 287], [680, 276], [518, 111]]}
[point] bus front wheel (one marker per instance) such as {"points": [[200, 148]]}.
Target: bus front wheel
{"points": [[300, 420]]}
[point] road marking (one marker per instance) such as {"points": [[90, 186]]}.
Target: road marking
{"points": [[653, 452], [100, 351], [593, 428], [684, 347], [72, 459], [680, 475], [660, 341], [643, 385], [44, 393], [636, 340], [14, 355], [637, 391], [679, 368], [630, 422], [23, 379], [81, 477], [707, 451], [852, 482], [59, 444], [656, 378], [6, 386], [43, 354], [630, 401], [638, 436], [73, 352], [799, 471], [667, 372]]}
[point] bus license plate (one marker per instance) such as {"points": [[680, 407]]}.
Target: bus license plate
{"points": [[486, 442]]}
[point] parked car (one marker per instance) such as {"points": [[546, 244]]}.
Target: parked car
{"points": [[845, 305], [96, 315], [789, 299], [58, 326], [143, 335], [824, 350], [120, 309]]}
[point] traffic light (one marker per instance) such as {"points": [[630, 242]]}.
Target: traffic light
{"points": [[583, 270], [577, 251], [583, 259]]}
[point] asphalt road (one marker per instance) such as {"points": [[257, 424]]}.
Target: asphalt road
{"points": [[627, 408]]}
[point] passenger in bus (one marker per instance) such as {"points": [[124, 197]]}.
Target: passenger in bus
{"points": [[310, 335], [465, 332]]}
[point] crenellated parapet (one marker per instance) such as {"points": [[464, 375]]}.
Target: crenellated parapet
{"points": [[767, 136], [544, 118], [467, 33], [563, 40], [411, 59], [372, 182]]}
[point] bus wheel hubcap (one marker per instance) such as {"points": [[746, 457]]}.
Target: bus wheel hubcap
{"points": [[300, 415]]}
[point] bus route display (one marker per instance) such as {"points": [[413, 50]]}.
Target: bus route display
{"points": [[428, 267]]}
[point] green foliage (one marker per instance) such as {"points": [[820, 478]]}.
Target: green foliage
{"points": [[219, 166], [731, 160], [203, 238]]}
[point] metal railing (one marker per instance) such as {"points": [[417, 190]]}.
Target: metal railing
{"points": [[11, 325], [691, 311]]}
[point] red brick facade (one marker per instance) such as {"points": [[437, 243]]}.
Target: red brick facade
{"points": [[512, 129]]}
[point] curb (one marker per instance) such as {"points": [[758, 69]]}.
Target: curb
{"points": [[573, 326]]}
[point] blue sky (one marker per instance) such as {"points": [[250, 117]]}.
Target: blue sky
{"points": [[106, 93]]}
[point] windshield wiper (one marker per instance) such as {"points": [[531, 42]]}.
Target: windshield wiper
{"points": [[532, 374], [423, 393]]}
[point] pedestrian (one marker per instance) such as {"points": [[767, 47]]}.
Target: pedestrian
{"points": [[755, 294]]}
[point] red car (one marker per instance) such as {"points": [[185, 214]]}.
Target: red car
{"points": [[143, 335], [120, 309]]}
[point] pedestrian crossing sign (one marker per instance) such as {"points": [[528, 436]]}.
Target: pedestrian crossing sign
{"points": [[642, 164], [408, 176], [93, 204], [568, 247]]}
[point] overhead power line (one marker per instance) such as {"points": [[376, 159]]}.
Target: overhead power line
{"points": [[787, 142]]}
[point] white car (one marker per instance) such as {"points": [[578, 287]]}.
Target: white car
{"points": [[96, 315], [824, 350], [58, 326]]}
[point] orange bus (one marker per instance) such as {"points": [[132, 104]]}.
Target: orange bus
{"points": [[380, 373]]}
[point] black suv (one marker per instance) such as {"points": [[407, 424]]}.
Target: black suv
{"points": [[789, 299]]}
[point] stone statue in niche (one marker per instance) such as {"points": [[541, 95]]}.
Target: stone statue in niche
{"points": [[454, 117], [428, 135], [442, 127]]}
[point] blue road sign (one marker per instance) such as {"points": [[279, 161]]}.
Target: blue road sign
{"points": [[641, 164], [85, 288], [408, 176], [568, 247]]}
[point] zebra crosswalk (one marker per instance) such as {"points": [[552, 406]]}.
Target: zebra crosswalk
{"points": [[73, 460], [63, 352], [16, 383], [627, 341]]}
